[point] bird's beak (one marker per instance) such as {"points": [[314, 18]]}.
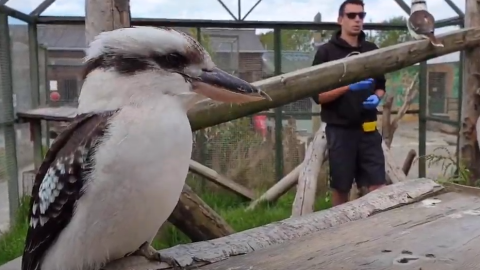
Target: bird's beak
{"points": [[221, 86]]}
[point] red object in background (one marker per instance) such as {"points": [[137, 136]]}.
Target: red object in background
{"points": [[54, 96], [260, 124]]}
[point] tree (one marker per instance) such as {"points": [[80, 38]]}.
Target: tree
{"points": [[294, 40], [392, 37], [204, 40]]}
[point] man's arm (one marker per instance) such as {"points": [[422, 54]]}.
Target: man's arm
{"points": [[326, 96]]}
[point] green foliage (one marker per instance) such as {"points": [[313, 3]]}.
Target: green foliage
{"points": [[391, 37], [292, 39], [204, 40], [453, 172]]}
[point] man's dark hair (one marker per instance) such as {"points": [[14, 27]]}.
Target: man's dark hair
{"points": [[341, 10]]}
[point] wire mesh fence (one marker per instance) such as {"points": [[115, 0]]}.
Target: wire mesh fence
{"points": [[246, 150]]}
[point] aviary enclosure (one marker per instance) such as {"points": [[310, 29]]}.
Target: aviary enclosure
{"points": [[257, 151]]}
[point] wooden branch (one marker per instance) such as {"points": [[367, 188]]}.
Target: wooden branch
{"points": [[201, 253], [386, 116], [221, 180], [293, 86], [307, 182], [469, 149], [394, 173], [408, 99], [407, 164], [196, 219], [101, 16], [280, 188]]}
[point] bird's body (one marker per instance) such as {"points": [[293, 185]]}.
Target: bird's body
{"points": [[421, 23], [115, 175], [145, 191]]}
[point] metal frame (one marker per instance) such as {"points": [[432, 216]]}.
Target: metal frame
{"points": [[35, 18]]}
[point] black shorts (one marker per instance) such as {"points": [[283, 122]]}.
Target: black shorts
{"points": [[354, 155]]}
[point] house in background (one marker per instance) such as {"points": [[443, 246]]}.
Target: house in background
{"points": [[238, 51]]}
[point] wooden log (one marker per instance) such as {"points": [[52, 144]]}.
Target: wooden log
{"points": [[201, 253], [196, 219], [386, 118], [409, 95], [307, 182], [293, 86], [469, 148], [221, 180], [101, 16], [407, 164], [280, 188], [394, 173]]}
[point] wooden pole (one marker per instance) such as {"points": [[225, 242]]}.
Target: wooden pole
{"points": [[303, 83], [105, 15], [468, 145], [307, 182]]}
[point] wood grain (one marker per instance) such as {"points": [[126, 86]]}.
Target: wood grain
{"points": [[445, 236]]}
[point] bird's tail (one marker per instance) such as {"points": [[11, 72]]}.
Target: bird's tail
{"points": [[434, 40]]}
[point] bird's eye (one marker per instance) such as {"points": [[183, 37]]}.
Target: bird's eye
{"points": [[170, 61]]}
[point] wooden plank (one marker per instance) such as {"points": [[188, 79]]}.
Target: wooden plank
{"points": [[200, 253], [441, 236], [63, 113], [293, 86], [468, 142]]}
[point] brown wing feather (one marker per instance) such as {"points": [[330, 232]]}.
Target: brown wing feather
{"points": [[422, 22], [59, 183]]}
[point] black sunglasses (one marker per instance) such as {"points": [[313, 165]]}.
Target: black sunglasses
{"points": [[353, 15]]}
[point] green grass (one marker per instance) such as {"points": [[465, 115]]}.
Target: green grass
{"points": [[229, 206]]}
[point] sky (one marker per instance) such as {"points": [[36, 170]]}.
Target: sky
{"points": [[267, 10]]}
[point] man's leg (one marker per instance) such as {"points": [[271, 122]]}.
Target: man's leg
{"points": [[371, 161], [342, 151]]}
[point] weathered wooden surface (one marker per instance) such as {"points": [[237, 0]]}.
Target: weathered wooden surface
{"points": [[293, 86], [200, 253], [468, 145], [441, 233], [221, 180], [105, 15], [393, 171], [63, 113], [307, 181]]}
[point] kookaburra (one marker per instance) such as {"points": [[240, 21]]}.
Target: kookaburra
{"points": [[421, 24], [113, 177]]}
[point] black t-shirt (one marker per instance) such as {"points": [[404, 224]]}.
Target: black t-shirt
{"points": [[347, 110]]}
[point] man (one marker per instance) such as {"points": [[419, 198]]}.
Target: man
{"points": [[350, 112]]}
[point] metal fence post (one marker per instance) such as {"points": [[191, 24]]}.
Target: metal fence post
{"points": [[422, 119], [7, 117], [277, 47], [36, 126]]}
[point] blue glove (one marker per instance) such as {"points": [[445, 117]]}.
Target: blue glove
{"points": [[371, 102], [361, 85]]}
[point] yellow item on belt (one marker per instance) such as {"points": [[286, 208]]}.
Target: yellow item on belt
{"points": [[369, 126]]}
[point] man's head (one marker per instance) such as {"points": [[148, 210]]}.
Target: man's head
{"points": [[350, 17]]}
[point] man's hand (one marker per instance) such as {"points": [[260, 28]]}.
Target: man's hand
{"points": [[361, 85], [371, 102]]}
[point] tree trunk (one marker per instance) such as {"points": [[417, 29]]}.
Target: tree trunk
{"points": [[469, 148], [196, 219], [307, 182]]}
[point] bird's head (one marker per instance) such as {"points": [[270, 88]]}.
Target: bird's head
{"points": [[135, 65]]}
